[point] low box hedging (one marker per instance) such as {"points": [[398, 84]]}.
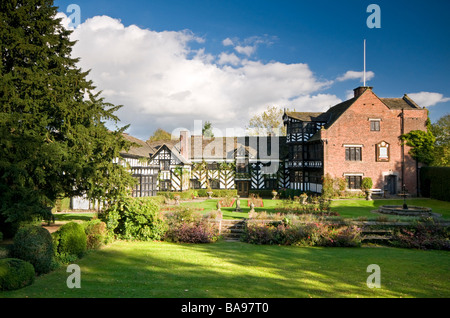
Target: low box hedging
{"points": [[15, 274], [34, 244], [70, 241]]}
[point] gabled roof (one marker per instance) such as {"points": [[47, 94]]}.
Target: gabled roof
{"points": [[307, 116], [173, 149], [400, 103]]}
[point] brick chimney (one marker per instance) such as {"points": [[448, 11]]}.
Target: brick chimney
{"points": [[184, 144], [360, 90]]}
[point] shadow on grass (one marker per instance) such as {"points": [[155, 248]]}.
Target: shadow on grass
{"points": [[238, 270]]}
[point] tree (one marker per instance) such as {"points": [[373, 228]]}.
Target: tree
{"points": [[207, 129], [269, 122], [160, 135], [53, 137], [441, 130], [422, 145]]}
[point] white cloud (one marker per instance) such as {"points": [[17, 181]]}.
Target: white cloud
{"points": [[247, 50], [162, 82], [350, 75], [232, 59], [227, 42], [427, 99]]}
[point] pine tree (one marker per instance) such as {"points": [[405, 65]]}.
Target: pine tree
{"points": [[53, 138]]}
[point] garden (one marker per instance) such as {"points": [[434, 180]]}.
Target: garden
{"points": [[289, 248]]}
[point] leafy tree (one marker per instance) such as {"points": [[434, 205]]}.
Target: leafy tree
{"points": [[53, 137], [270, 121], [207, 129], [441, 130], [160, 135], [422, 145]]}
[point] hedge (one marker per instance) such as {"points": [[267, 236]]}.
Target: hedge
{"points": [[435, 182], [70, 240], [217, 193], [15, 273], [34, 244]]}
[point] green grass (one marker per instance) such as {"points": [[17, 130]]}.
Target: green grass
{"points": [[224, 269], [352, 208]]}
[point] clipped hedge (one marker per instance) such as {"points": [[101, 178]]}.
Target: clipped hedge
{"points": [[70, 241], [435, 182], [15, 273], [34, 244]]}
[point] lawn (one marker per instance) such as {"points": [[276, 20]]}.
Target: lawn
{"points": [[241, 270], [353, 208]]}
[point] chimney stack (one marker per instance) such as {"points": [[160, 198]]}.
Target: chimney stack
{"points": [[184, 144], [360, 90]]}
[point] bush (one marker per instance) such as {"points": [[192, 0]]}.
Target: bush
{"points": [[425, 234], [34, 244], [1, 236], [366, 183], [188, 226], [15, 273], [96, 234], [291, 231], [70, 241], [135, 219]]}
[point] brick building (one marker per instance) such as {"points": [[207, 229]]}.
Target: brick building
{"points": [[357, 138]]}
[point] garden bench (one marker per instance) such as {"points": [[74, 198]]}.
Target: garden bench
{"points": [[377, 191]]}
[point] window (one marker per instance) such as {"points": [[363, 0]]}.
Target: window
{"points": [[164, 164], [296, 153], [270, 184], [242, 167], [214, 183], [296, 176], [195, 184], [164, 185], [375, 125], [353, 182], [144, 186], [353, 153]]}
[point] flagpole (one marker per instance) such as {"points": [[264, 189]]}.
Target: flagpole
{"points": [[364, 62]]}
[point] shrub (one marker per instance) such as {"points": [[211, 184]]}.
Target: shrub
{"points": [[424, 234], [96, 234], [15, 273], [189, 226], [1, 236], [305, 232], [366, 183], [70, 240], [135, 219], [34, 244]]}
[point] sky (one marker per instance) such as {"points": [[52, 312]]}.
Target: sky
{"points": [[175, 64]]}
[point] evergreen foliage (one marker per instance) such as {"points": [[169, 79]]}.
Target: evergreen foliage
{"points": [[53, 137]]}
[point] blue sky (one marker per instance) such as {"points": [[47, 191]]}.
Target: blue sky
{"points": [[322, 40]]}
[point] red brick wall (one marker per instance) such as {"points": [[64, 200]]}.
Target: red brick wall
{"points": [[353, 127]]}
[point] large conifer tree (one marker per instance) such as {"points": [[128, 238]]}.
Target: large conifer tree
{"points": [[53, 138]]}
